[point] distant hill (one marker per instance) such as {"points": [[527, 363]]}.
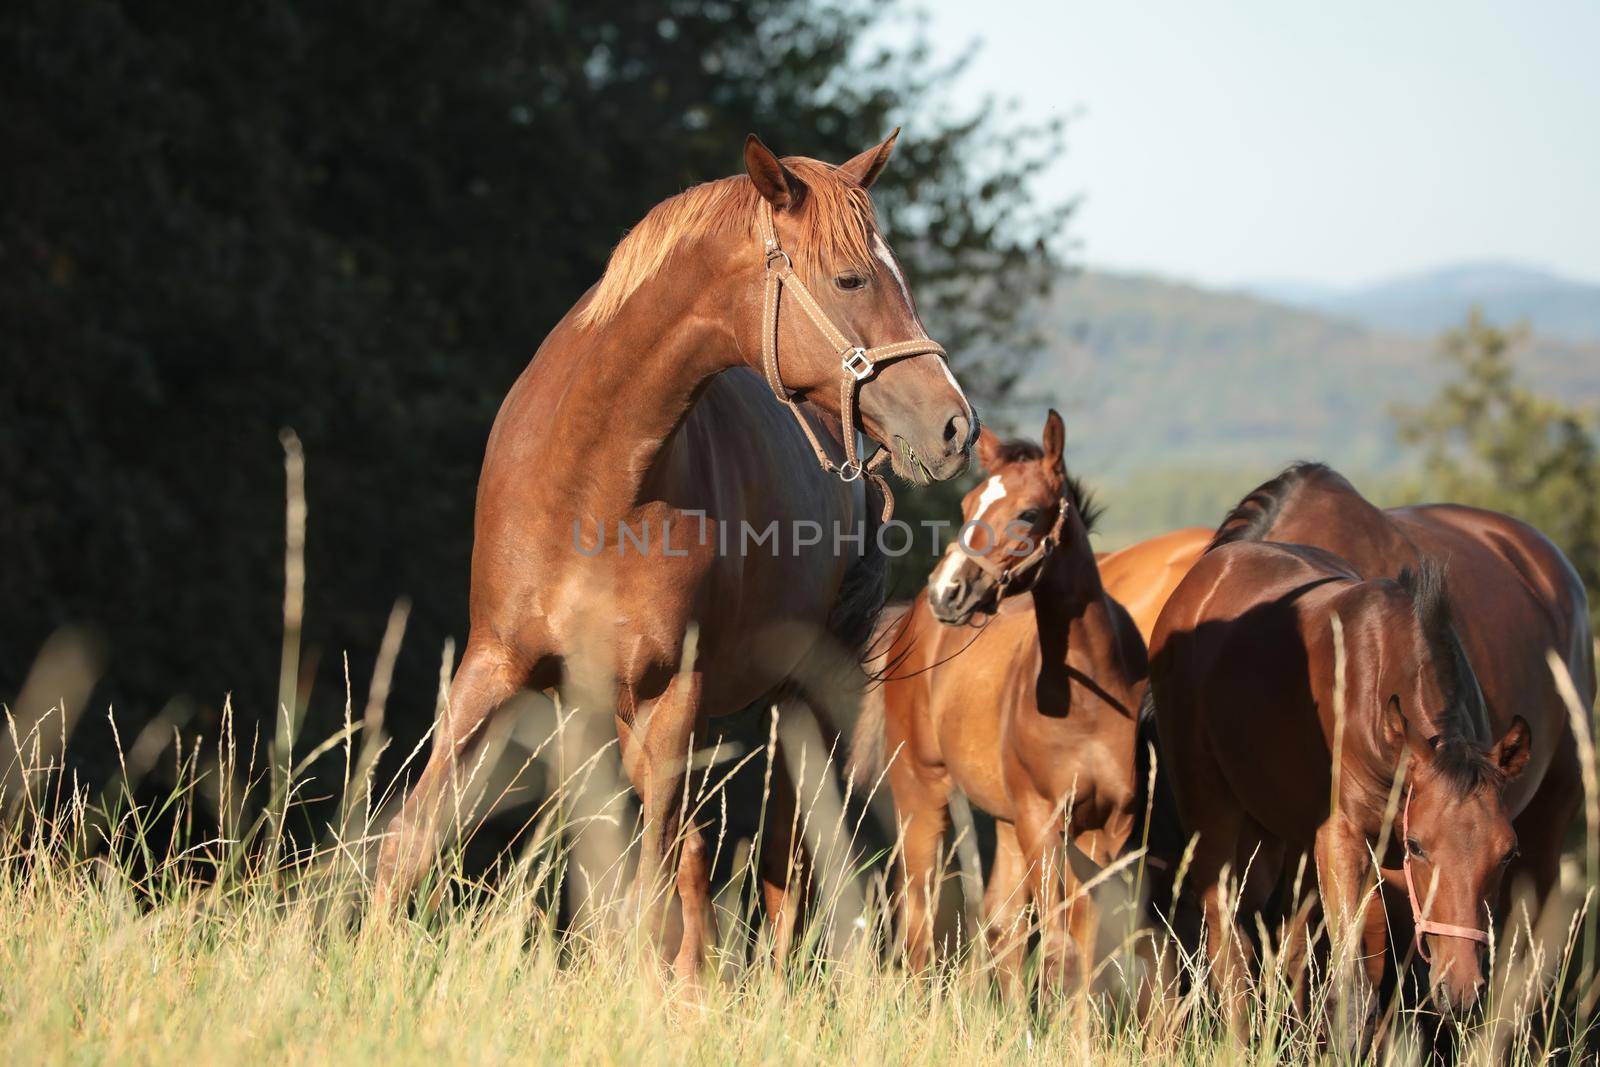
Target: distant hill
{"points": [[1432, 301], [1179, 398]]}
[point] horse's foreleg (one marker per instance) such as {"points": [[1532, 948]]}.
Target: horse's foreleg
{"points": [[464, 747], [656, 748], [1346, 886], [1040, 831], [1005, 907], [923, 809], [784, 862]]}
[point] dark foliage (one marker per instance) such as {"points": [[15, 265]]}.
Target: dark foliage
{"points": [[358, 220]]}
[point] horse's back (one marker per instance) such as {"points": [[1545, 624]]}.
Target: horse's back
{"points": [[1503, 563], [1142, 576]]}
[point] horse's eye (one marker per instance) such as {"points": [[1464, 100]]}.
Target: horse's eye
{"points": [[1509, 856], [1030, 516], [850, 282], [1413, 847]]}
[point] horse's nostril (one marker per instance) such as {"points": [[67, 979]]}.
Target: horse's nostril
{"points": [[955, 432]]}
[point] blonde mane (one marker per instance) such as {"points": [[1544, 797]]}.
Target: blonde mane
{"points": [[835, 217]]}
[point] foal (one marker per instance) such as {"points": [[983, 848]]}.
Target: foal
{"points": [[1248, 704], [1031, 715]]}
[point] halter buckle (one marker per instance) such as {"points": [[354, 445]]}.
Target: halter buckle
{"points": [[774, 254], [857, 364], [851, 470]]}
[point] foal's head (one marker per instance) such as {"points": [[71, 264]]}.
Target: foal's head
{"points": [[1453, 825], [1005, 520], [703, 251]]}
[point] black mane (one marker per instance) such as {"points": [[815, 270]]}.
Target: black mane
{"points": [[1458, 753], [1252, 518]]}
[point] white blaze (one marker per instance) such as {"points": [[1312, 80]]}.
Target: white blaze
{"points": [[944, 576], [994, 491], [881, 249]]}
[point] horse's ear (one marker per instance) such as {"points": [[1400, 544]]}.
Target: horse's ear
{"points": [[1054, 439], [1394, 722], [988, 448], [775, 182], [1515, 746], [866, 167]]}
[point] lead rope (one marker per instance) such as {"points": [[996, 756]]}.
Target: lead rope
{"points": [[1427, 926], [857, 363]]}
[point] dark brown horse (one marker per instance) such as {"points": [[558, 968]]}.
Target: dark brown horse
{"points": [[646, 407], [1516, 595], [1272, 753], [1032, 716]]}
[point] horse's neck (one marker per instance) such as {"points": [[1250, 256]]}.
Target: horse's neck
{"points": [[634, 379], [1077, 626], [1329, 512]]}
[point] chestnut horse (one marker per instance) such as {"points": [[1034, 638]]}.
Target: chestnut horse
{"points": [[1272, 754], [1142, 576], [1032, 716], [691, 394]]}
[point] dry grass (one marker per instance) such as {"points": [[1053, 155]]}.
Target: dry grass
{"points": [[124, 941], [250, 947]]}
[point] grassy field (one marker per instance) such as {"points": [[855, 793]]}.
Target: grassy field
{"points": [[237, 944], [223, 918]]}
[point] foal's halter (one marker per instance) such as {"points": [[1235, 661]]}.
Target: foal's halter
{"points": [[857, 363], [1031, 564], [1428, 926]]}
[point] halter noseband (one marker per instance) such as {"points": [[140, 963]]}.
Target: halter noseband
{"points": [[856, 362], [1427, 926], [1032, 563]]}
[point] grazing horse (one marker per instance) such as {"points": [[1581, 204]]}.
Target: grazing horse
{"points": [[1142, 576], [1517, 598], [1032, 716], [708, 389], [1272, 753]]}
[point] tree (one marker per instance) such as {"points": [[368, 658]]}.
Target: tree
{"points": [[359, 220], [1488, 441]]}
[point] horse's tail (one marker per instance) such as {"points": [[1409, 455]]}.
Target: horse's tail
{"points": [[883, 656], [866, 739], [1252, 518]]}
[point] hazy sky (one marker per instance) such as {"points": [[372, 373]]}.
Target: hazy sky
{"points": [[1332, 142]]}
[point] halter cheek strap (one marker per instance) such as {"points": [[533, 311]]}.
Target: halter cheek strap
{"points": [[1031, 564], [856, 362], [1422, 925]]}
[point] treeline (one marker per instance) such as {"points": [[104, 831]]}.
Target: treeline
{"points": [[358, 220]]}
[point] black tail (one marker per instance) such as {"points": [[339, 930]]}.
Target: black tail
{"points": [[1252, 518], [1157, 821]]}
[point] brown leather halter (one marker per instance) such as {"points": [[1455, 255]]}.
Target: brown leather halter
{"points": [[857, 363], [1031, 564], [1428, 926]]}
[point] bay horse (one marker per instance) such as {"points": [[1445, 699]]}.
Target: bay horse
{"points": [[1143, 575], [713, 382], [1032, 717], [1272, 754], [1517, 597]]}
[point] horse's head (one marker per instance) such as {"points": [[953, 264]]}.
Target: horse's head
{"points": [[1006, 521], [825, 228], [1453, 829]]}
